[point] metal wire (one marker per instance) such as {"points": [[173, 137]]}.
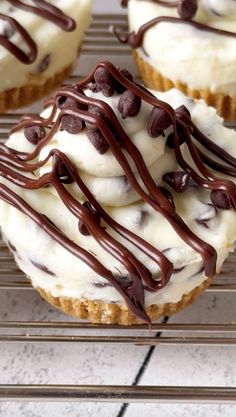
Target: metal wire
{"points": [[99, 41]]}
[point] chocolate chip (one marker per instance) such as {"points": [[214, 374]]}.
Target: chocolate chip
{"points": [[177, 180], [34, 134], [8, 31], [70, 103], [187, 9], [208, 214], [82, 228], [158, 121], [168, 195], [44, 63], [105, 81], [72, 124], [119, 87], [124, 281], [101, 284], [42, 268], [129, 104], [62, 171], [98, 141], [221, 199], [181, 136], [96, 111]]}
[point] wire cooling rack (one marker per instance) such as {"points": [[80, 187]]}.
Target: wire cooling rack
{"points": [[99, 42]]}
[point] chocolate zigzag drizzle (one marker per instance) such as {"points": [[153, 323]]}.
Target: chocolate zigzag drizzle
{"points": [[42, 8], [76, 112], [186, 10]]}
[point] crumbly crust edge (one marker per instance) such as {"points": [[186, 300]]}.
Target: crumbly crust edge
{"points": [[224, 104], [109, 313], [33, 91]]}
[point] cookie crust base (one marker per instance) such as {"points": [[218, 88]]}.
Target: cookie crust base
{"points": [[33, 91], [224, 104], [108, 313]]}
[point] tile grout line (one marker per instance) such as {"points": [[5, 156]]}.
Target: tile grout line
{"points": [[142, 369]]}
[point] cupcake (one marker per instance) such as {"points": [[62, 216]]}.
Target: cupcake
{"points": [[39, 45], [117, 202], [188, 44]]}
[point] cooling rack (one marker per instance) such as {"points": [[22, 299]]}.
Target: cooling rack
{"points": [[99, 42]]}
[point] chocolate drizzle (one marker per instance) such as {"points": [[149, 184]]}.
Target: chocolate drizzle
{"points": [[186, 13], [13, 164], [45, 10]]}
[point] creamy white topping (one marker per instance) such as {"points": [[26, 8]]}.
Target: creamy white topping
{"points": [[182, 53], [72, 277], [60, 46]]}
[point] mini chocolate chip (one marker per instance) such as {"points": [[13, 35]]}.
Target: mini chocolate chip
{"points": [[124, 281], [96, 111], [70, 102], [158, 121], [82, 228], [44, 63], [98, 140], [8, 31], [187, 9], [34, 134], [62, 171], [177, 180], [105, 81], [170, 142], [42, 268], [101, 284], [207, 215], [129, 104], [183, 111], [72, 124], [221, 199], [168, 195], [120, 88]]}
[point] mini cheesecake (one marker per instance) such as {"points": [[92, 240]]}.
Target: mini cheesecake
{"points": [[188, 44], [39, 45], [117, 202]]}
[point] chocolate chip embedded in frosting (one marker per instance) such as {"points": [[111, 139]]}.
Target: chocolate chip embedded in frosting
{"points": [[44, 63], [221, 199], [8, 31], [72, 124], [98, 140], [62, 171], [34, 134], [96, 111], [168, 195], [82, 228], [42, 267], [187, 9], [105, 82], [171, 141], [119, 87], [158, 121], [129, 104], [208, 214], [177, 180]]}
